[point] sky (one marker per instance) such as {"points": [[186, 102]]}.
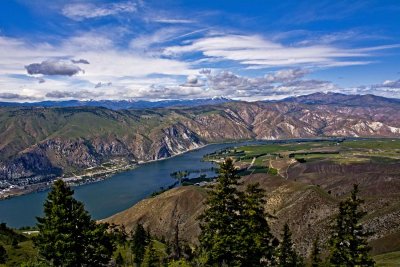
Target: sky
{"points": [[187, 49]]}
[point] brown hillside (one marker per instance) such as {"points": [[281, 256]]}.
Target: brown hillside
{"points": [[303, 201]]}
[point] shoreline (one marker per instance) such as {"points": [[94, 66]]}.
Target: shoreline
{"points": [[99, 176]]}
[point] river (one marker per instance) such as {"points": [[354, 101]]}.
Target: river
{"points": [[114, 194]]}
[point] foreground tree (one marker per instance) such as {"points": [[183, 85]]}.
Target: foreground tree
{"points": [[287, 256], [67, 234], [221, 221], [151, 258], [348, 243], [259, 243], [235, 231], [140, 240]]}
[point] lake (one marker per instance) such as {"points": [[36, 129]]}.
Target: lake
{"points": [[117, 193]]}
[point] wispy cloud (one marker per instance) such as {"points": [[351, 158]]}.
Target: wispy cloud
{"points": [[257, 52], [82, 11], [173, 21]]}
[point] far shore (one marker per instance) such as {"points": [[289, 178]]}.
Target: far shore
{"points": [[78, 180]]}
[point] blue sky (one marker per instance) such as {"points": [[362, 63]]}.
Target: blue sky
{"points": [[153, 50]]}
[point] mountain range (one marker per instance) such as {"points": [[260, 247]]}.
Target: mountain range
{"points": [[121, 104], [42, 142]]}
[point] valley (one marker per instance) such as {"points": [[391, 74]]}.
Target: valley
{"points": [[83, 144]]}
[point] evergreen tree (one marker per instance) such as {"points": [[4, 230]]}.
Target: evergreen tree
{"points": [[119, 233], [67, 234], [3, 255], [259, 243], [348, 243], [316, 254], [139, 242], [287, 256], [151, 257], [119, 260], [220, 222]]}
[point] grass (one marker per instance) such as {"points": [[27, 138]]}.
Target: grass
{"points": [[391, 259], [25, 252]]}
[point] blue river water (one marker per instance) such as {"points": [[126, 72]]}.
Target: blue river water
{"points": [[114, 194]]}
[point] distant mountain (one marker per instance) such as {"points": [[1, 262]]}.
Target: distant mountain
{"points": [[342, 100], [121, 104], [40, 142]]}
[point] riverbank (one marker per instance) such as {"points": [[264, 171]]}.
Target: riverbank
{"points": [[77, 180], [87, 177]]}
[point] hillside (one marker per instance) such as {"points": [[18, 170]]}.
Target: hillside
{"points": [[38, 144], [305, 192]]}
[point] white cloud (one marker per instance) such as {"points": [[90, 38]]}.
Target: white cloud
{"points": [[390, 84], [173, 21], [82, 11], [160, 36], [286, 75], [256, 52]]}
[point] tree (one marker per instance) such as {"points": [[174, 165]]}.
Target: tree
{"points": [[316, 254], [67, 234], [259, 243], [287, 256], [140, 240], [119, 260], [3, 255], [119, 234], [151, 257], [234, 226], [220, 222], [348, 242]]}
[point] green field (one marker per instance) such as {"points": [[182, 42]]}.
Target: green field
{"points": [[281, 156]]}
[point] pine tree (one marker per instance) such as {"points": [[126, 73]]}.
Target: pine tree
{"points": [[259, 243], [287, 256], [316, 254], [119, 260], [348, 243], [140, 240], [151, 257], [3, 255], [67, 234], [220, 222]]}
